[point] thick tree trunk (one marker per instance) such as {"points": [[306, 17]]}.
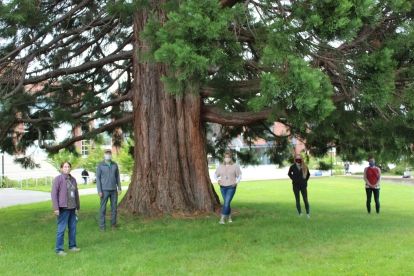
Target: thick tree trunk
{"points": [[171, 170]]}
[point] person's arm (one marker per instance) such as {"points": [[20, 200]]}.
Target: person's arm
{"points": [[290, 172], [365, 176], [98, 179], [238, 174], [55, 196], [379, 177], [217, 175], [76, 194], [308, 174], [118, 178]]}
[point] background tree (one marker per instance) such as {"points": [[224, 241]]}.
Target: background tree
{"points": [[336, 72]]}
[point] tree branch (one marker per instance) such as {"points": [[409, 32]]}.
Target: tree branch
{"points": [[80, 68], [246, 87], [68, 142], [216, 115]]}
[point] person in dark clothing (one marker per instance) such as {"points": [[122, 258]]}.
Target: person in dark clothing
{"points": [[299, 173], [108, 184], [85, 176]]}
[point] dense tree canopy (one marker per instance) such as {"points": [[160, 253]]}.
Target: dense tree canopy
{"points": [[338, 73]]}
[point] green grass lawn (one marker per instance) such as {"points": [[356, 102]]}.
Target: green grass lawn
{"points": [[266, 237]]}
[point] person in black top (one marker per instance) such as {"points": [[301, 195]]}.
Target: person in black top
{"points": [[299, 173], [85, 176]]}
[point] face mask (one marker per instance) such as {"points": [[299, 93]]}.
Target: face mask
{"points": [[108, 157], [227, 160], [298, 161], [371, 163]]}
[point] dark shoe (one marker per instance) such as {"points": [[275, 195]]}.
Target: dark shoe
{"points": [[114, 226]]}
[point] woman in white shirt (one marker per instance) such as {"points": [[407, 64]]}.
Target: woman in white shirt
{"points": [[228, 175]]}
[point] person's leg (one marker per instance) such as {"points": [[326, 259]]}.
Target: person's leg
{"points": [[72, 228], [376, 198], [304, 192], [297, 198], [114, 206], [369, 195], [223, 191], [62, 221], [102, 209], [230, 194]]}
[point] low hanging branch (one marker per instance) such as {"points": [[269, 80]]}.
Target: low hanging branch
{"points": [[68, 142], [216, 115]]}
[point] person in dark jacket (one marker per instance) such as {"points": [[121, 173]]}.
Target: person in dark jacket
{"points": [[85, 176], [299, 173], [108, 184], [65, 200]]}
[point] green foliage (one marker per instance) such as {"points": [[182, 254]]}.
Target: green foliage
{"points": [[95, 156], [188, 42], [65, 155], [125, 157]]}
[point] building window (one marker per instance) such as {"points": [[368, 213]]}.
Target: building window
{"points": [[86, 144]]}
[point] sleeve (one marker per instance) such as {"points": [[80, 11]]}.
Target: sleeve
{"points": [[308, 175], [238, 174], [217, 173], [55, 194], [98, 179], [379, 176], [290, 172], [118, 178], [76, 194]]}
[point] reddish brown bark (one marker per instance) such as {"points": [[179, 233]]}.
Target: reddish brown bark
{"points": [[171, 170]]}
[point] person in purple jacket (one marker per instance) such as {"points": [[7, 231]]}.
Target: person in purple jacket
{"points": [[65, 200]]}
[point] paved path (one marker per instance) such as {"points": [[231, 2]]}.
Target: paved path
{"points": [[12, 196]]}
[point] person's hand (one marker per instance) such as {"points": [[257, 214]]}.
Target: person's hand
{"points": [[56, 212], [76, 212], [100, 194]]}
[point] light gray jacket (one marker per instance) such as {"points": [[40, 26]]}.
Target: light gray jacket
{"points": [[107, 177]]}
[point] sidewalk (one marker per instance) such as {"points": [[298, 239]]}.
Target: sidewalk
{"points": [[11, 196]]}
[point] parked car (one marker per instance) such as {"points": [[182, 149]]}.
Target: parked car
{"points": [[77, 174]]}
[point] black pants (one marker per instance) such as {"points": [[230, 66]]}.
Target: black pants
{"points": [[376, 198], [304, 191]]}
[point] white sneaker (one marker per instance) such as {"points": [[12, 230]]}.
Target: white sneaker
{"points": [[222, 222], [222, 219], [61, 253], [300, 214], [230, 220], [74, 249], [308, 216]]}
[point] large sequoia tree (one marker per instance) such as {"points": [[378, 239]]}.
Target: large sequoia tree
{"points": [[336, 72]]}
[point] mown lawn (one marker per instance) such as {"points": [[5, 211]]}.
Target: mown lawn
{"points": [[266, 238]]}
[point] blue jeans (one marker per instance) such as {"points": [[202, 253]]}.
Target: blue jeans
{"points": [[227, 193], [113, 197], [67, 217]]}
